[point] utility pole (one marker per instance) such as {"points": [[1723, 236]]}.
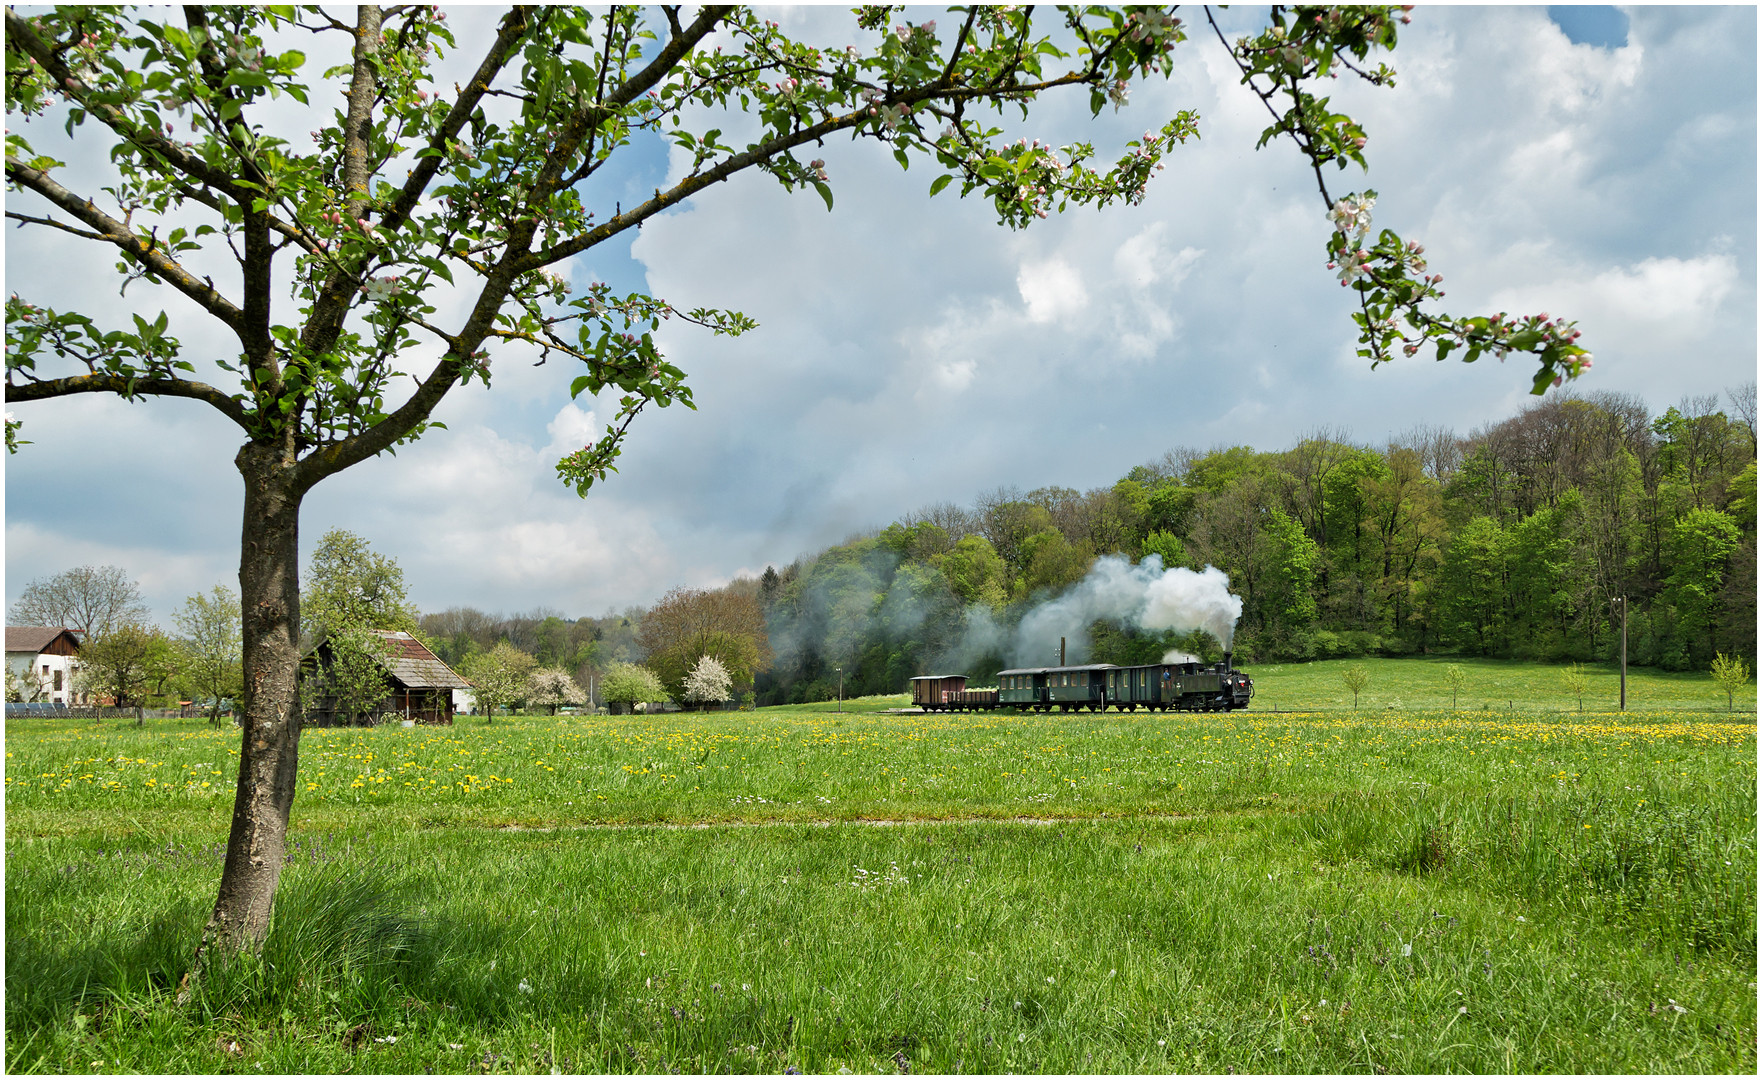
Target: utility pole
{"points": [[1622, 600], [840, 689]]}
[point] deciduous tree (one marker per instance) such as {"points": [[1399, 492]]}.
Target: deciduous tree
{"points": [[346, 677], [553, 687], [708, 682], [975, 572], [213, 640], [127, 664], [349, 586], [1356, 679], [340, 241], [499, 677], [686, 624], [93, 599], [1456, 677], [631, 683], [1732, 675], [1576, 682]]}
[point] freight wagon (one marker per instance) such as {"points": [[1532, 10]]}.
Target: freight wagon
{"points": [[949, 693]]}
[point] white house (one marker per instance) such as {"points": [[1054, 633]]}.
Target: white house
{"points": [[41, 661]]}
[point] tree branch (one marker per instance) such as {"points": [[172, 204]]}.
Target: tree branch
{"points": [[20, 33], [514, 26], [119, 234], [42, 390], [754, 155], [333, 301], [512, 264], [27, 219]]}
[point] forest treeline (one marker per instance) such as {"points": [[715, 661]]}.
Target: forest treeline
{"points": [[1512, 541]]}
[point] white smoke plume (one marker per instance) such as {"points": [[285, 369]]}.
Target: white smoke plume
{"points": [[1146, 596]]}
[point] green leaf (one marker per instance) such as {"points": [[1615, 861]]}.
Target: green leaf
{"points": [[940, 182], [825, 193], [900, 156]]}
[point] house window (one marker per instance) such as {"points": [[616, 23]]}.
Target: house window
{"points": [[57, 680]]}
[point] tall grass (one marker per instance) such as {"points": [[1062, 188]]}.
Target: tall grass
{"points": [[1403, 892]]}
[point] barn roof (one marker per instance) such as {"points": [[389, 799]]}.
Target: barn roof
{"points": [[409, 662], [413, 665], [34, 639]]}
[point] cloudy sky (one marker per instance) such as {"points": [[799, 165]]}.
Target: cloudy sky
{"points": [[1596, 163]]}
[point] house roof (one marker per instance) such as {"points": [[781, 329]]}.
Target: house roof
{"points": [[34, 639]]}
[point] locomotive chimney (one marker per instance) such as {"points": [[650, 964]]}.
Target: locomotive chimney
{"points": [[1061, 652], [1226, 659]]}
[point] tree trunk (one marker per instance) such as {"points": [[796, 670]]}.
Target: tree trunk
{"points": [[269, 587]]}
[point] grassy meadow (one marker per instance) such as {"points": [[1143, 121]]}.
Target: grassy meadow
{"points": [[1403, 888]]}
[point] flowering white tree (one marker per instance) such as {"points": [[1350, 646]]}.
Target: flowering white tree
{"points": [[708, 681], [553, 687], [325, 257]]}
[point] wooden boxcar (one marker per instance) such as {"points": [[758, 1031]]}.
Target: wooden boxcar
{"points": [[949, 693]]}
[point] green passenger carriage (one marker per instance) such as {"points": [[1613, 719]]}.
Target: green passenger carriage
{"points": [[1185, 684]]}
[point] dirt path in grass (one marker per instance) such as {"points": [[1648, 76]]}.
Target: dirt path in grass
{"points": [[825, 823]]}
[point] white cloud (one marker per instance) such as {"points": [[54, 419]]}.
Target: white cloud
{"points": [[912, 351], [1052, 290], [573, 428], [1682, 292]]}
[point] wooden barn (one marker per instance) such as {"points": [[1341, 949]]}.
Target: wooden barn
{"points": [[421, 683]]}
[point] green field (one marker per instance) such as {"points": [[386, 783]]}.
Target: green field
{"points": [[1406, 887]]}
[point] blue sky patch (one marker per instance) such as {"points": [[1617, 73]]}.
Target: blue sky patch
{"points": [[1591, 24]]}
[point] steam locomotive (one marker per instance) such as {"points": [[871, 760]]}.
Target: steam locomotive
{"points": [[1188, 686]]}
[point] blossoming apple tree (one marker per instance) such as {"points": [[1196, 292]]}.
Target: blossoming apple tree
{"points": [[324, 257]]}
